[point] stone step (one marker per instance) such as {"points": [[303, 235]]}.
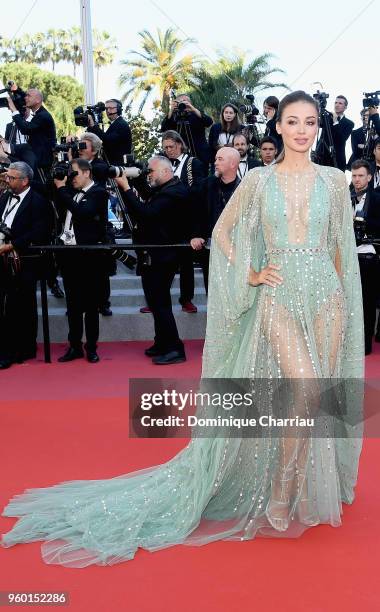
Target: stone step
{"points": [[127, 323], [129, 297]]}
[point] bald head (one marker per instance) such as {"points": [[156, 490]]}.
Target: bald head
{"points": [[227, 161], [33, 99]]}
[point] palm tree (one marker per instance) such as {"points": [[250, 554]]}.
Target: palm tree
{"points": [[104, 47], [54, 47], [230, 79], [158, 69]]}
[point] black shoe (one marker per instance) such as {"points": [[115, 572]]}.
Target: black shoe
{"points": [[106, 311], [169, 358], [71, 354], [152, 351], [57, 291], [5, 364], [92, 356]]}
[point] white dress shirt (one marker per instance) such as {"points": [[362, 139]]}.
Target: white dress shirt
{"points": [[363, 248], [11, 208]]}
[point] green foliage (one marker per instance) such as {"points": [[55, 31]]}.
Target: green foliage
{"points": [[230, 78], [158, 69], [145, 134], [61, 93]]}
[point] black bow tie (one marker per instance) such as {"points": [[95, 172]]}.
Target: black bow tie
{"points": [[243, 161], [175, 163], [338, 119], [13, 196]]}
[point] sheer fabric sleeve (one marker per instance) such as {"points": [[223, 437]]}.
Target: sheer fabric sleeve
{"points": [[237, 245]]}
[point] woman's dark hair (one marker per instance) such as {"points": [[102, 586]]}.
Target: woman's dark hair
{"points": [[272, 101], [296, 96], [234, 126]]}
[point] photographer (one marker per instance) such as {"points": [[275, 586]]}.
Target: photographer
{"points": [[270, 108], [117, 140], [190, 171], [366, 203], [40, 130], [247, 162], [191, 124], [83, 206], [89, 147], [161, 219], [341, 129], [358, 138], [25, 220], [222, 133]]}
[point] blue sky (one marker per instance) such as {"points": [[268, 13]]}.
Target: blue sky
{"points": [[297, 33]]}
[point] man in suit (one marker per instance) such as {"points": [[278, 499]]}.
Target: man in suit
{"points": [[117, 140], [40, 130], [366, 203], [84, 212], [190, 171], [161, 219], [341, 129], [191, 123], [247, 162], [26, 215], [213, 195], [358, 138]]}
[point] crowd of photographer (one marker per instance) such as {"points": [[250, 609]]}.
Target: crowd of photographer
{"points": [[77, 192]]}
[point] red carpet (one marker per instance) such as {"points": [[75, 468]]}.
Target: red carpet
{"points": [[69, 421]]}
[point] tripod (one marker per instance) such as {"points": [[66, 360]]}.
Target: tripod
{"points": [[324, 153], [184, 130]]}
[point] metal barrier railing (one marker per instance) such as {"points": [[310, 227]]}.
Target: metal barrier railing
{"points": [[82, 247]]}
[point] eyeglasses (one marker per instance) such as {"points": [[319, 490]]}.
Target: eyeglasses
{"points": [[9, 177]]}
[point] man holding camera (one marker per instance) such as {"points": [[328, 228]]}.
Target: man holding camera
{"points": [[117, 140], [191, 124], [40, 130], [83, 207], [366, 203], [161, 220], [24, 220]]}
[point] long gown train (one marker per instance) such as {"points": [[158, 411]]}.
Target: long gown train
{"points": [[306, 332]]}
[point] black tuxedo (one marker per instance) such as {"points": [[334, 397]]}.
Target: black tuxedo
{"points": [[163, 219], [357, 137], [251, 163], [196, 126], [18, 303], [11, 132], [83, 272], [212, 196], [41, 135], [369, 266], [117, 140], [192, 172], [99, 170]]}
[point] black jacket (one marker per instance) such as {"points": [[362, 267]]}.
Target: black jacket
{"points": [[340, 134], [210, 203], [196, 126], [271, 131], [357, 138], [89, 215], [213, 138], [99, 170], [32, 222], [41, 135], [162, 219], [117, 140]]}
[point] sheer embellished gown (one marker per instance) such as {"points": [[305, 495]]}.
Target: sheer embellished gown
{"points": [[306, 332]]}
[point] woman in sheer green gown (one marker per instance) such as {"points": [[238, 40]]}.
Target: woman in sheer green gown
{"points": [[284, 305]]}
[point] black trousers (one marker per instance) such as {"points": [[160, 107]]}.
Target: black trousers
{"points": [[156, 281], [202, 257], [83, 280], [18, 313], [369, 273], [186, 276]]}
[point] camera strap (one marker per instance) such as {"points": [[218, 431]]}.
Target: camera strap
{"points": [[8, 208]]}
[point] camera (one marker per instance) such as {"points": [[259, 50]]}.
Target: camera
{"points": [[360, 230], [82, 113], [371, 99], [132, 168], [61, 170], [75, 147], [250, 110], [321, 97], [5, 233], [17, 95]]}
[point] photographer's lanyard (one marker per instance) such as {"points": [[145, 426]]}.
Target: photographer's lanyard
{"points": [[11, 208]]}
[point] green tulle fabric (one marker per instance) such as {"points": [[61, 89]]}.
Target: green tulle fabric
{"points": [[308, 329]]}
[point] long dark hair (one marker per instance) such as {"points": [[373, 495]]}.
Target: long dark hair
{"points": [[234, 126], [294, 96]]}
